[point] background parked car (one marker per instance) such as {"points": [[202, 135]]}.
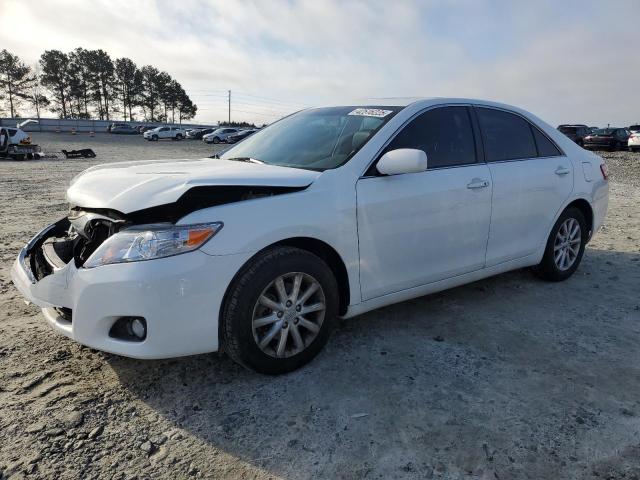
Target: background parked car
{"points": [[219, 135], [240, 135], [611, 138], [198, 133], [634, 141], [634, 128], [174, 133], [145, 128], [575, 132], [123, 129]]}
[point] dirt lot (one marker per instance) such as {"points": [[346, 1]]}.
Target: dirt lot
{"points": [[505, 378]]}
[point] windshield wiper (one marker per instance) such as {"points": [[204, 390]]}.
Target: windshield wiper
{"points": [[246, 159]]}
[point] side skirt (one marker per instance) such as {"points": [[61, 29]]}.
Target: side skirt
{"points": [[440, 285]]}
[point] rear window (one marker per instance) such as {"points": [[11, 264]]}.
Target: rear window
{"points": [[12, 131], [605, 131], [568, 129], [634, 128], [506, 136]]}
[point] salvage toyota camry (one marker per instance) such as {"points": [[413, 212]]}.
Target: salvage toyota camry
{"points": [[328, 212]]}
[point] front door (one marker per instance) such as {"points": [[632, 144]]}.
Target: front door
{"points": [[419, 228]]}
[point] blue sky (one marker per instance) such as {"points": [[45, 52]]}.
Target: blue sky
{"points": [[566, 61]]}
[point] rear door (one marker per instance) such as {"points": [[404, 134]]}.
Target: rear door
{"points": [[532, 180], [419, 228]]}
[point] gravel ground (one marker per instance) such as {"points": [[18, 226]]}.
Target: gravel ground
{"points": [[505, 378]]}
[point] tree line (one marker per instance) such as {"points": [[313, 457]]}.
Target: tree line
{"points": [[88, 84]]}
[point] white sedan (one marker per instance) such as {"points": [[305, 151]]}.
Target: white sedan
{"points": [[329, 212], [159, 133], [634, 141]]}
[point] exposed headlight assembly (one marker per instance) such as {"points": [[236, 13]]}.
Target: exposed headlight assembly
{"points": [[147, 242]]}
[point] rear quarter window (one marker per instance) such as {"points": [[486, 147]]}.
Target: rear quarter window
{"points": [[546, 148]]}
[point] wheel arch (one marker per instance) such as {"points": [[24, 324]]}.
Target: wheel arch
{"points": [[319, 248], [585, 207]]}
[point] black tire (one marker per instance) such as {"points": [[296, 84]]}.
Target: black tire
{"points": [[179, 136], [216, 140], [547, 269], [236, 320], [154, 138]]}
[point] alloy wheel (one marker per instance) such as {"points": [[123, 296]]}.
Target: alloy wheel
{"points": [[288, 314], [567, 244]]}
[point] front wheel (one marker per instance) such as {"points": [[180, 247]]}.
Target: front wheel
{"points": [[279, 311], [216, 140], [565, 247], [154, 138]]}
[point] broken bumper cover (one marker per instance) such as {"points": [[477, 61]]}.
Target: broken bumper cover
{"points": [[179, 296]]}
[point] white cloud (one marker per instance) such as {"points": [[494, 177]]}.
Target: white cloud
{"points": [[566, 61]]}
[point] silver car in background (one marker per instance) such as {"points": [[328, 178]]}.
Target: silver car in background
{"points": [[220, 135]]}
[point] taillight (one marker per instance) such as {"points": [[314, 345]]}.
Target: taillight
{"points": [[605, 171]]}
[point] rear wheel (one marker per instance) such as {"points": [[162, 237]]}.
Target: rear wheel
{"points": [[279, 311], [565, 247]]}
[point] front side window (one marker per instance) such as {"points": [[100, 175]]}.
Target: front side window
{"points": [[314, 139], [444, 134], [506, 136]]}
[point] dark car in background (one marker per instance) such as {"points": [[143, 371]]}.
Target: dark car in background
{"points": [[575, 132], [610, 138], [122, 128], [198, 133], [240, 136]]}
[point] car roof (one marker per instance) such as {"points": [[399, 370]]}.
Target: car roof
{"points": [[422, 102]]}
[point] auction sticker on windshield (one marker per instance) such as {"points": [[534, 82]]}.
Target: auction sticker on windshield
{"points": [[371, 112]]}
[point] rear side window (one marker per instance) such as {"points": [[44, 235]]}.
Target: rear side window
{"points": [[546, 148], [444, 134], [506, 136]]}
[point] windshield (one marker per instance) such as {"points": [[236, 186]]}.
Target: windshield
{"points": [[604, 131], [314, 139]]}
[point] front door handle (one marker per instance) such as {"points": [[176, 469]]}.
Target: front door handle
{"points": [[560, 171], [477, 183]]}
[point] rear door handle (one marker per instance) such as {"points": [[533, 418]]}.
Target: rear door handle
{"points": [[560, 171], [477, 183]]}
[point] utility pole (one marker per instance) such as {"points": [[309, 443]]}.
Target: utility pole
{"points": [[229, 107]]}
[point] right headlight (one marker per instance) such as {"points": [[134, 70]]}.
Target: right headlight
{"points": [[147, 242]]}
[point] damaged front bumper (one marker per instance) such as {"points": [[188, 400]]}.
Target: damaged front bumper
{"points": [[179, 297]]}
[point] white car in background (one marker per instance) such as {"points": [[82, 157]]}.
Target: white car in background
{"points": [[634, 138], [159, 133], [328, 212], [219, 135]]}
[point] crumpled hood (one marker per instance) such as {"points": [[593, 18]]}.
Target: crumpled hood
{"points": [[131, 186]]}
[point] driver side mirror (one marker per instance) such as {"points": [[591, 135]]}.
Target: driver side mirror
{"points": [[402, 160]]}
